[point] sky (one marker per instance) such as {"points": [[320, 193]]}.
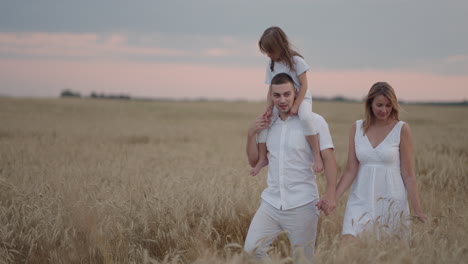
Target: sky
{"points": [[208, 48]]}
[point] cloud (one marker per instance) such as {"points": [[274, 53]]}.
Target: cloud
{"points": [[409, 85], [188, 80], [122, 47], [457, 59], [76, 46], [336, 35]]}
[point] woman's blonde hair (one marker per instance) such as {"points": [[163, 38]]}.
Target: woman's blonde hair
{"points": [[273, 40], [380, 88]]}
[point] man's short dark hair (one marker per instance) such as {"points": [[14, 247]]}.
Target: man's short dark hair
{"points": [[282, 78]]}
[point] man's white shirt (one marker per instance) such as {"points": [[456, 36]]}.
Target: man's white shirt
{"points": [[291, 180]]}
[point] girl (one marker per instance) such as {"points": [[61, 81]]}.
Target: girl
{"points": [[275, 44]]}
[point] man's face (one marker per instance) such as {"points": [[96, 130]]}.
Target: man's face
{"points": [[283, 96]]}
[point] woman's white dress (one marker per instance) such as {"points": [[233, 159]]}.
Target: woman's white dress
{"points": [[377, 201]]}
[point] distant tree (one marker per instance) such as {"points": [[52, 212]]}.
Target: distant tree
{"points": [[109, 96], [69, 93], [124, 97], [339, 98]]}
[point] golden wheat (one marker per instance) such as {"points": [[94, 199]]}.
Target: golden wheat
{"points": [[97, 181]]}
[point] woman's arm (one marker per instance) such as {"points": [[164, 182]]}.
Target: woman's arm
{"points": [[352, 166], [407, 171]]}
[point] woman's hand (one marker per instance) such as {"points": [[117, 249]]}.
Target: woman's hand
{"points": [[422, 218], [326, 204]]}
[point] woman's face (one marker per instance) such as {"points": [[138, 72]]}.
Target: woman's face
{"points": [[381, 107]]}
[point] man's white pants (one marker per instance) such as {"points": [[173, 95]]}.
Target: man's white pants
{"points": [[299, 223]]}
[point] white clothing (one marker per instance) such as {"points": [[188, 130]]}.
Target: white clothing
{"points": [[300, 66], [288, 203], [291, 180], [377, 199], [305, 108], [300, 224]]}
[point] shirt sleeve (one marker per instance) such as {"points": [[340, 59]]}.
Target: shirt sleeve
{"points": [[300, 66], [325, 139]]}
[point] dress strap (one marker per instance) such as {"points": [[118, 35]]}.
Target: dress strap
{"points": [[358, 125], [397, 131], [400, 125], [358, 135], [359, 130]]}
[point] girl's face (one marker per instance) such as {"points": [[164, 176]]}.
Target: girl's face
{"points": [[381, 107], [274, 55]]}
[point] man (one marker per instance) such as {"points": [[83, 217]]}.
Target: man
{"points": [[290, 201]]}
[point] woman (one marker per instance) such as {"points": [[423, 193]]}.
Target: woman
{"points": [[380, 168]]}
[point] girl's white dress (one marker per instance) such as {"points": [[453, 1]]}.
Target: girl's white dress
{"points": [[377, 200]]}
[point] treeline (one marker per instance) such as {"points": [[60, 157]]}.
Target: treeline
{"points": [[71, 94]]}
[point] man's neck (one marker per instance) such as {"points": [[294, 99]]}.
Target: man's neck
{"points": [[283, 116]]}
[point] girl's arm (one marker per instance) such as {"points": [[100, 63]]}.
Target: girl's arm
{"points": [[407, 171], [302, 92], [352, 166], [269, 105]]}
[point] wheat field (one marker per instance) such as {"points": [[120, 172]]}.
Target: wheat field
{"points": [[103, 181]]}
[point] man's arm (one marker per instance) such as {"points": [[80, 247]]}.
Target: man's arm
{"points": [[328, 200], [251, 147]]}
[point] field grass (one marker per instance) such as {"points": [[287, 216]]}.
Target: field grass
{"points": [[101, 181]]}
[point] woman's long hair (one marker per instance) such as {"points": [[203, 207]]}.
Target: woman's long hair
{"points": [[274, 40], [380, 88]]}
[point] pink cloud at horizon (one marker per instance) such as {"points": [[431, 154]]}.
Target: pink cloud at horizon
{"points": [[21, 77], [72, 46], [411, 86]]}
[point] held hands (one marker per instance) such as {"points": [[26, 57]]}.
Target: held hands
{"points": [[326, 204]]}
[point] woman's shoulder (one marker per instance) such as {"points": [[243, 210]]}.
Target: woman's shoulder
{"points": [[404, 127], [405, 133]]}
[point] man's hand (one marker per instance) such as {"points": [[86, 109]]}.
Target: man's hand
{"points": [[326, 204], [268, 112], [258, 124]]}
